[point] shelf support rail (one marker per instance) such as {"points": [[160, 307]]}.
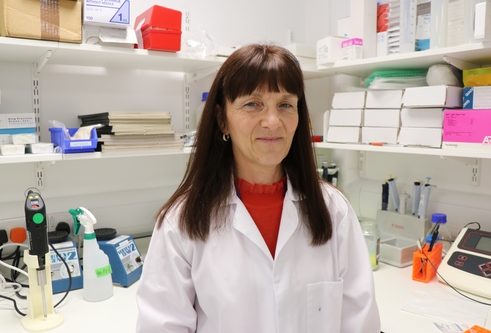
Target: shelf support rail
{"points": [[475, 163], [460, 64], [36, 70], [199, 74]]}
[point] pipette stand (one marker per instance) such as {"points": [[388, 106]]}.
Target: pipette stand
{"points": [[35, 321]]}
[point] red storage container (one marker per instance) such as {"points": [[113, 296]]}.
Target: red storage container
{"points": [[160, 29]]}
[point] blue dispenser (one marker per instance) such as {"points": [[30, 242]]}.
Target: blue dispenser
{"points": [[60, 281]]}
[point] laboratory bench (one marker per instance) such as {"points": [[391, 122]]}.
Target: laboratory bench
{"points": [[118, 314]]}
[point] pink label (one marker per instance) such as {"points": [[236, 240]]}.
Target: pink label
{"points": [[351, 42], [472, 126]]}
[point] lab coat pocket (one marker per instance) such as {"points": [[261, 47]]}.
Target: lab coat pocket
{"points": [[324, 303]]}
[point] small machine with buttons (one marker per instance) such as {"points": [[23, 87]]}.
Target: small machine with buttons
{"points": [[467, 265], [124, 256]]}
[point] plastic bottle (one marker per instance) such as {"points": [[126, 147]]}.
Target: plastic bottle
{"points": [[444, 235], [332, 173], [438, 23], [372, 238], [199, 111], [98, 284]]}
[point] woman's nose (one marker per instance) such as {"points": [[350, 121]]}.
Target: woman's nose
{"points": [[271, 117]]}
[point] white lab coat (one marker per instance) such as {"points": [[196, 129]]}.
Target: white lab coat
{"points": [[231, 283]]}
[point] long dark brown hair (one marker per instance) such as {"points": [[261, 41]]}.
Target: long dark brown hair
{"points": [[208, 180]]}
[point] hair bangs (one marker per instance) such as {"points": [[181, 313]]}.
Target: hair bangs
{"points": [[265, 69]]}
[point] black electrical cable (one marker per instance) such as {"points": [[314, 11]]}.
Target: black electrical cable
{"points": [[457, 291], [69, 275], [15, 305]]}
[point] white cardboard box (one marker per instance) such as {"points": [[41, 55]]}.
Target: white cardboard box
{"points": [[114, 13], [420, 136], [329, 50], [384, 99], [349, 100], [379, 134], [382, 118], [40, 148], [425, 117], [433, 96], [343, 134], [346, 117], [9, 150]]}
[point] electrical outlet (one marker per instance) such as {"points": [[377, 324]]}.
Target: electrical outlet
{"points": [[9, 224], [55, 218]]}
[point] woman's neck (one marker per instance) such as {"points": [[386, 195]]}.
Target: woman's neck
{"points": [[261, 176]]}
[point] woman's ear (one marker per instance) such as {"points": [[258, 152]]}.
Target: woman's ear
{"points": [[222, 122]]}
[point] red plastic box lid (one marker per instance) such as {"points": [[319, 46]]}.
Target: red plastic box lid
{"points": [[160, 17]]}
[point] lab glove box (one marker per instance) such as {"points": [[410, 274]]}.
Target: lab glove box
{"points": [[384, 99], [5, 139], [346, 117], [433, 96], [349, 100], [159, 28], [467, 129], [352, 49], [399, 236], [23, 139], [17, 120], [68, 146], [114, 13], [40, 148], [422, 117], [420, 136], [476, 97], [382, 118], [343, 134], [379, 134], [329, 50], [56, 20], [11, 150]]}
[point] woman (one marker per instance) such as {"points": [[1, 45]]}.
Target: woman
{"points": [[253, 241]]}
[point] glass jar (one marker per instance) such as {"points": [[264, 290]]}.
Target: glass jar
{"points": [[372, 239]]}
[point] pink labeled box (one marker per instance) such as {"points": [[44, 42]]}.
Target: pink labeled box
{"points": [[467, 129]]}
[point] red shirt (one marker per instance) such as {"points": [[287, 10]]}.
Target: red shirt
{"points": [[265, 204]]}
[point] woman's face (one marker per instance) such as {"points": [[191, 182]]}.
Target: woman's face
{"points": [[261, 128]]}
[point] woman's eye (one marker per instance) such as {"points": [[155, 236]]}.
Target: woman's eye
{"points": [[287, 107], [252, 105]]}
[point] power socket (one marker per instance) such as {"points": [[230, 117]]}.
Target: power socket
{"points": [[9, 224], [55, 218]]}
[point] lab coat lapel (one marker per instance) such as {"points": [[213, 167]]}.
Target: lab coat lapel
{"points": [[289, 218], [244, 223]]}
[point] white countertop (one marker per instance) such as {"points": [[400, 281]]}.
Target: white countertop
{"points": [[118, 314]]}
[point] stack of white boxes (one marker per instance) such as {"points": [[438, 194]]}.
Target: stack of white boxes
{"points": [[16, 130], [343, 122], [422, 114], [382, 117]]}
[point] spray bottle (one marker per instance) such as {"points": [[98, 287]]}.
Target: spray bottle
{"points": [[98, 284]]}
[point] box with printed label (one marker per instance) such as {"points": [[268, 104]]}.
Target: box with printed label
{"points": [[56, 20], [114, 13], [420, 136], [467, 129], [422, 117], [343, 134], [17, 120], [352, 49], [329, 50], [349, 100], [382, 118], [476, 97], [384, 99], [433, 96], [346, 117], [379, 134]]}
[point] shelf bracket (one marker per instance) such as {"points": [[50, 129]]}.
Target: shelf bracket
{"points": [[39, 180], [475, 164], [39, 64], [198, 75], [460, 64]]}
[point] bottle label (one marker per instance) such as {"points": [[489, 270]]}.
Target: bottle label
{"points": [[103, 271]]}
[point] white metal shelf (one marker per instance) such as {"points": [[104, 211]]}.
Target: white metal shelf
{"points": [[30, 158], [406, 150]]}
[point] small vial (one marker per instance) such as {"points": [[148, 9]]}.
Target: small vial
{"points": [[372, 238]]}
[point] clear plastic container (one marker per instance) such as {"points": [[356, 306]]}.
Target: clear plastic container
{"points": [[199, 111], [372, 238]]}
